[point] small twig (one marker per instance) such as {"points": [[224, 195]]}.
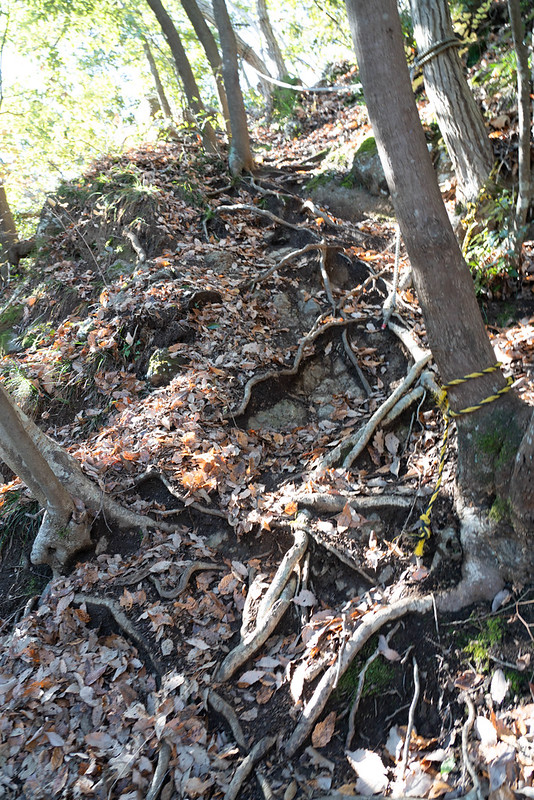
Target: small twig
{"points": [[370, 624], [324, 275], [411, 717], [359, 690], [251, 643], [354, 361], [160, 771], [247, 765], [468, 724], [391, 300]]}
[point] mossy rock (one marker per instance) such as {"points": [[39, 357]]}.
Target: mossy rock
{"points": [[163, 366], [11, 316]]}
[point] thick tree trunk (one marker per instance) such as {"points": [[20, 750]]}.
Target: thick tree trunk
{"points": [[459, 118], [524, 122], [273, 47], [240, 158], [185, 74], [160, 91], [244, 51], [490, 436], [207, 40], [65, 528], [8, 229]]}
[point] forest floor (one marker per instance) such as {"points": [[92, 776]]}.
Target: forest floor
{"points": [[202, 348]]}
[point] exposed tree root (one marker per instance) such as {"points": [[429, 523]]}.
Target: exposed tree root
{"points": [[123, 622], [357, 442], [160, 771], [247, 765], [282, 263], [262, 212], [468, 724], [334, 503], [411, 717], [196, 566], [481, 579], [370, 624], [155, 473], [225, 710], [283, 573], [251, 643], [310, 337]]}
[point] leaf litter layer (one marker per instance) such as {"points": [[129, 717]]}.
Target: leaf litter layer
{"points": [[242, 649]]}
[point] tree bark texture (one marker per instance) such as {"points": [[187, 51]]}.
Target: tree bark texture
{"points": [[273, 47], [524, 121], [185, 74], [244, 51], [65, 527], [207, 40], [459, 118], [490, 437], [240, 158]]}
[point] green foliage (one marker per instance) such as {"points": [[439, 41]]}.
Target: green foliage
{"points": [[491, 633], [378, 677], [500, 510], [11, 316], [18, 517], [488, 246]]}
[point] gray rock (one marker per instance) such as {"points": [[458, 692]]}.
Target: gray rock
{"points": [[282, 416]]}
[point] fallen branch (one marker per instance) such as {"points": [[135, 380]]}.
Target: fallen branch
{"points": [[370, 624], [359, 440], [247, 765], [249, 645], [334, 503]]}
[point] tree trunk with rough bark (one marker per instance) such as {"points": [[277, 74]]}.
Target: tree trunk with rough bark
{"points": [[459, 118], [489, 438], [207, 40], [273, 47], [65, 528], [523, 123], [185, 74], [245, 52], [8, 229], [160, 91], [240, 157]]}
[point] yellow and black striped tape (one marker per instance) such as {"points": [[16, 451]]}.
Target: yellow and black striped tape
{"points": [[424, 531]]}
